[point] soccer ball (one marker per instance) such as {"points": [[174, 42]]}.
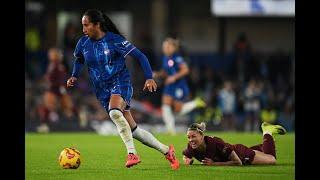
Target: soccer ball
{"points": [[69, 158]]}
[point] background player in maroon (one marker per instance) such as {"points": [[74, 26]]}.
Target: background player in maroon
{"points": [[55, 78], [213, 151]]}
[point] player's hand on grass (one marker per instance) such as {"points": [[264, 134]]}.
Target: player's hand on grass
{"points": [[207, 161], [170, 80], [150, 85], [71, 81], [187, 161]]}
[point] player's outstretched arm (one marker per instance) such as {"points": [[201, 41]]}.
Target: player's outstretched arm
{"points": [[187, 161], [234, 161], [183, 71], [144, 63], [150, 84], [77, 67], [159, 74]]}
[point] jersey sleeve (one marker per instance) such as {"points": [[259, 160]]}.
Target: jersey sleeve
{"points": [[179, 60], [163, 65], [79, 59], [224, 149], [78, 50], [123, 46], [187, 152]]}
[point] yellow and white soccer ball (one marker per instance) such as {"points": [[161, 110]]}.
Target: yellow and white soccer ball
{"points": [[69, 158]]}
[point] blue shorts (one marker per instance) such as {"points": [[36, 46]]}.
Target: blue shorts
{"points": [[125, 90], [177, 92]]}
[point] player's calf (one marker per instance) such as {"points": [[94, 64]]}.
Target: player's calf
{"points": [[126, 135]]}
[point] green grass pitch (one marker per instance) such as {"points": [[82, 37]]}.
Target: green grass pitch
{"points": [[103, 157]]}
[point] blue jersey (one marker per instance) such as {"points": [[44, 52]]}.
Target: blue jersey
{"points": [[171, 66], [178, 90], [105, 57]]}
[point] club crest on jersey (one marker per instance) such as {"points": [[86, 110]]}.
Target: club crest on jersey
{"points": [[106, 51], [170, 63]]}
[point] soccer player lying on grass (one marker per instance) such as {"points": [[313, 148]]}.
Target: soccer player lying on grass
{"points": [[213, 151]]}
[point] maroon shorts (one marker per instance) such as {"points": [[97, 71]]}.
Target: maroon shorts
{"points": [[245, 154], [58, 91]]}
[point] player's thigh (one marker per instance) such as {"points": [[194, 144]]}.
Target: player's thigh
{"points": [[177, 105], [129, 118], [116, 101], [262, 158], [66, 101], [121, 95], [50, 99], [167, 100], [181, 94]]}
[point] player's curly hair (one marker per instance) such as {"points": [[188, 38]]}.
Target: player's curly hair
{"points": [[198, 127], [96, 16]]}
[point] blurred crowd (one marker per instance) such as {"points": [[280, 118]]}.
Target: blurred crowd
{"points": [[242, 88]]}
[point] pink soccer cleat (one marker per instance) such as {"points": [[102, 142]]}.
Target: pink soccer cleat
{"points": [[132, 160], [174, 163]]}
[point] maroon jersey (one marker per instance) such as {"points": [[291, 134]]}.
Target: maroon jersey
{"points": [[219, 151], [57, 77]]}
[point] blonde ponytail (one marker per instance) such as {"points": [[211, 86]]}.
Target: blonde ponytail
{"points": [[202, 126], [198, 127]]}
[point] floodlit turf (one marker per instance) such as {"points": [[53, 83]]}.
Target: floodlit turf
{"points": [[103, 157]]}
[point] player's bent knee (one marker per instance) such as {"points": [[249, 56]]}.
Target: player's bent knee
{"points": [[115, 114], [117, 117], [176, 110], [177, 107]]}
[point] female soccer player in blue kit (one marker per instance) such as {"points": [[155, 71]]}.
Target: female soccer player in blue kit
{"points": [[103, 49], [176, 91]]}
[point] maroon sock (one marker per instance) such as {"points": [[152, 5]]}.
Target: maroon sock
{"points": [[257, 147], [268, 145]]}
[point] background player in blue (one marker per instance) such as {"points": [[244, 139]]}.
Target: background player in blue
{"points": [[176, 91], [103, 49]]}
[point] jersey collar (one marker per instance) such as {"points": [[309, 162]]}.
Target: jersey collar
{"points": [[107, 35]]}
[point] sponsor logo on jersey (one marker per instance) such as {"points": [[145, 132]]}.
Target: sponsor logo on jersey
{"points": [[125, 43]]}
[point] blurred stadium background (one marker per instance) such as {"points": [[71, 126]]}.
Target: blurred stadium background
{"points": [[248, 44]]}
